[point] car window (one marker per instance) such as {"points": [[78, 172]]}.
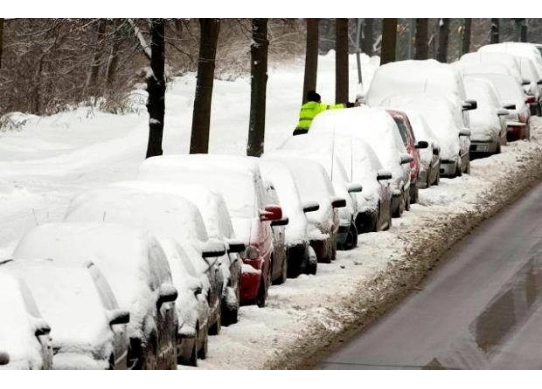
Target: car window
{"points": [[402, 129], [29, 301], [104, 289]]}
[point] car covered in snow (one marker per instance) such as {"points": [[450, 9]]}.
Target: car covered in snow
{"points": [[166, 216], [239, 181], [315, 186], [376, 127], [218, 224], [136, 267], [88, 327], [301, 257], [25, 340], [494, 63], [488, 127]]}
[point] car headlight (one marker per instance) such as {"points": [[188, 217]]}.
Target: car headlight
{"points": [[250, 253]]}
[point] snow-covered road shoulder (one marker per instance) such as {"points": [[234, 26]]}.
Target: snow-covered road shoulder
{"points": [[311, 313]]}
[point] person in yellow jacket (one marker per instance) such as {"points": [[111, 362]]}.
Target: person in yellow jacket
{"points": [[313, 107]]}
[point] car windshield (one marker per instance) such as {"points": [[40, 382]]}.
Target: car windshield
{"points": [[402, 128]]}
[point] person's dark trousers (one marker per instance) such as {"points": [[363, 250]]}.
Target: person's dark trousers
{"points": [[300, 131]]}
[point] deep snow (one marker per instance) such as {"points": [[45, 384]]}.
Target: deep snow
{"points": [[52, 159]]}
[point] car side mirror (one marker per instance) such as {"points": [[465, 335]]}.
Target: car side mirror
{"points": [[382, 175], [436, 150], [213, 249], [502, 112], [469, 105], [4, 358], [167, 293], [354, 188], [539, 82], [271, 213], [282, 222], [236, 246], [525, 82], [530, 99], [510, 106], [42, 328], [422, 144], [464, 132], [197, 290], [338, 203], [311, 206], [405, 158], [118, 316]]}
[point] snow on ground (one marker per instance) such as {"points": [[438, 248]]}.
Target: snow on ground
{"points": [[49, 160]]}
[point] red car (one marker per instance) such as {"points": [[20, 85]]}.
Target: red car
{"points": [[239, 181], [407, 134]]}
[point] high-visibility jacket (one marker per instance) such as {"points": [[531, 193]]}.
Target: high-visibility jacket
{"points": [[310, 109]]}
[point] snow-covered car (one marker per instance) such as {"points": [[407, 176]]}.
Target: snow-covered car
{"points": [[25, 342], [361, 165], [166, 216], [494, 63], [239, 181], [347, 237], [444, 117], [135, 265], [412, 147], [430, 156], [219, 226], [376, 127], [488, 129], [314, 185], [301, 256], [88, 327], [279, 265], [513, 98]]}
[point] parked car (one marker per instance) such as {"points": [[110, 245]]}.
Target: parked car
{"points": [[488, 129], [239, 181], [301, 257], [412, 146], [376, 127], [135, 265], [88, 327], [361, 165], [25, 342], [496, 63], [517, 49], [430, 156], [279, 264], [446, 120], [218, 224], [512, 98], [314, 185], [166, 216]]}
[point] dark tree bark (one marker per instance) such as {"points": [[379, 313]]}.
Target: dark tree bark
{"points": [[92, 79], [311, 57], [156, 87], [201, 117], [422, 39], [465, 48], [341, 60], [523, 33], [367, 43], [258, 69], [1, 39], [443, 36], [113, 60], [389, 40], [494, 37]]}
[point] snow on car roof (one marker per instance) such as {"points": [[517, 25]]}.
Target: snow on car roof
{"points": [[16, 335], [492, 58], [414, 77], [123, 254], [163, 214], [69, 301], [509, 91], [468, 68], [210, 203], [523, 49]]}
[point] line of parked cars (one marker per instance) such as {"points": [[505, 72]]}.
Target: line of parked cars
{"points": [[140, 273]]}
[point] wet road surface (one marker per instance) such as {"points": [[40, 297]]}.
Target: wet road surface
{"points": [[480, 310]]}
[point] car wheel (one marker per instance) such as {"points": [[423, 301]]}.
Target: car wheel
{"points": [[437, 179], [407, 200], [528, 132], [284, 272], [217, 325], [261, 298], [498, 150], [111, 362], [202, 352], [414, 193], [150, 361], [458, 170], [312, 262], [352, 238], [467, 167]]}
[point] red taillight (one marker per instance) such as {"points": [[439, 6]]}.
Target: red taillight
{"points": [[530, 100]]}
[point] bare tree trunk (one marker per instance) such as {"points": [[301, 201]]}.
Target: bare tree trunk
{"points": [[341, 60], [156, 87], [112, 62], [201, 117], [1, 40], [465, 48], [422, 39], [389, 40], [258, 90], [92, 79], [443, 36], [367, 43], [494, 37], [523, 32], [311, 57]]}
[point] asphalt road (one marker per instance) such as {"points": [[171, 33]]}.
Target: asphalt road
{"points": [[480, 310]]}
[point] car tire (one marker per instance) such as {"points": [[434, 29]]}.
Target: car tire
{"points": [[498, 150], [414, 193], [458, 170], [407, 201], [352, 238], [437, 179], [202, 352], [261, 298], [217, 325], [284, 272], [467, 166]]}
